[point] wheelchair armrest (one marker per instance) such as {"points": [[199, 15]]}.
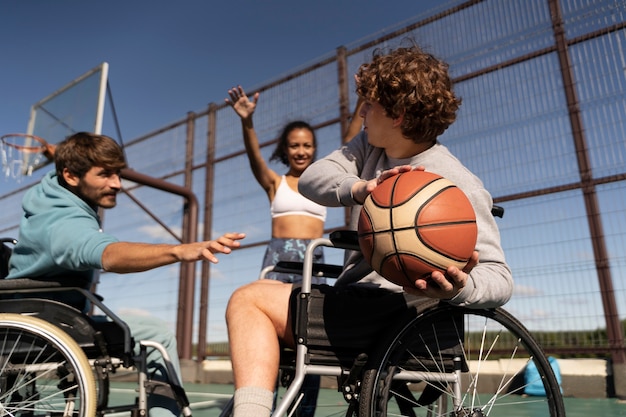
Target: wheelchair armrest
{"points": [[345, 239], [5, 254], [497, 211], [43, 284], [319, 270], [28, 284]]}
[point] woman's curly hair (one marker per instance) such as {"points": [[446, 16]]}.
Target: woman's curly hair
{"points": [[411, 83]]}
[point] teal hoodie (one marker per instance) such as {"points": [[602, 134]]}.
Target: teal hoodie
{"points": [[60, 235]]}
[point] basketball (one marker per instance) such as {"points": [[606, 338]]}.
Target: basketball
{"points": [[415, 223]]}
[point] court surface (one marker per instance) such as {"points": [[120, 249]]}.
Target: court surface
{"points": [[208, 400]]}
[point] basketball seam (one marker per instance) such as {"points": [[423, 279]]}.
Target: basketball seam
{"points": [[412, 255], [416, 227], [395, 205], [390, 205], [426, 244], [404, 271], [432, 197], [436, 250], [395, 246], [426, 226]]}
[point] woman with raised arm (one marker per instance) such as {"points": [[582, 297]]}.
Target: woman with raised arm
{"points": [[296, 220]]}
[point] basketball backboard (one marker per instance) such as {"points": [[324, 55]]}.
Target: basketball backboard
{"points": [[76, 107]]}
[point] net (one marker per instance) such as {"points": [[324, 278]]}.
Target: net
{"points": [[20, 154]]}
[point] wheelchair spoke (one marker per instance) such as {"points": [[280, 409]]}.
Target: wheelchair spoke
{"points": [[44, 372], [459, 362]]}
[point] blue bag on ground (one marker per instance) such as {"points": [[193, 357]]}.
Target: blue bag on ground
{"points": [[532, 379]]}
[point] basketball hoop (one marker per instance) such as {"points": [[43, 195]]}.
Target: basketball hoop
{"points": [[21, 153]]}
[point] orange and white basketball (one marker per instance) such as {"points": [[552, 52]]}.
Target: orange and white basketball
{"points": [[414, 223]]}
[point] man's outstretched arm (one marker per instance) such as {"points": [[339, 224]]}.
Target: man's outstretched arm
{"points": [[125, 257]]}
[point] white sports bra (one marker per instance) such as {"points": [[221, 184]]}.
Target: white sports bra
{"points": [[289, 202]]}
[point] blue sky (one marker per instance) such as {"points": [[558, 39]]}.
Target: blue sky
{"points": [[167, 58]]}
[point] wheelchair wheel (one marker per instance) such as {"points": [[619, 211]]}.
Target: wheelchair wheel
{"points": [[227, 410], [452, 361], [43, 371]]}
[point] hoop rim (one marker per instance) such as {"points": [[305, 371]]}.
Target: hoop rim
{"points": [[27, 149]]}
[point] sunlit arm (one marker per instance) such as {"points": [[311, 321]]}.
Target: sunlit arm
{"points": [[125, 257]]}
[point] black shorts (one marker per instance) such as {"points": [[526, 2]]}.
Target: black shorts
{"points": [[343, 321]]}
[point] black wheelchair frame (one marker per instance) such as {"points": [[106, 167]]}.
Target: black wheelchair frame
{"points": [[58, 361], [431, 363]]}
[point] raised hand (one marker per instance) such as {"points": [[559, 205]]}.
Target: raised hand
{"points": [[241, 103]]}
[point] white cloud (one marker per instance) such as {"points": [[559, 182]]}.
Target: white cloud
{"points": [[526, 290], [134, 312], [158, 233], [539, 313]]}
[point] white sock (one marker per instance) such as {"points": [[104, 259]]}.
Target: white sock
{"points": [[253, 402]]}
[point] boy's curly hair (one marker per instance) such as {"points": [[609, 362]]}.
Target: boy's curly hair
{"points": [[412, 83]]}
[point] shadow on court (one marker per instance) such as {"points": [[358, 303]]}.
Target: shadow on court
{"points": [[207, 400]]}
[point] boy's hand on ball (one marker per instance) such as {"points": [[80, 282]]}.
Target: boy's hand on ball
{"points": [[395, 171], [471, 263], [361, 189], [444, 286], [439, 285]]}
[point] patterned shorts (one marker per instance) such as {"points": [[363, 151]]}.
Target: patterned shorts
{"points": [[290, 250]]}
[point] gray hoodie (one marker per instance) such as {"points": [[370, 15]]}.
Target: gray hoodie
{"points": [[329, 181]]}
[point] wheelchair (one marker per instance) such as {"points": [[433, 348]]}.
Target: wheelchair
{"points": [[442, 360], [57, 361]]}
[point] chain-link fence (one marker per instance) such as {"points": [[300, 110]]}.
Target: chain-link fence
{"points": [[543, 123]]}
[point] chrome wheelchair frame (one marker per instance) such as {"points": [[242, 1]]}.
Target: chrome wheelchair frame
{"points": [[435, 362]]}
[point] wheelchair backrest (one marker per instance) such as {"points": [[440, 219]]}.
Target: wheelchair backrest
{"points": [[5, 254], [21, 296]]}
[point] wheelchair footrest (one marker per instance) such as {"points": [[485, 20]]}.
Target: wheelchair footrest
{"points": [[167, 390], [349, 385]]}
